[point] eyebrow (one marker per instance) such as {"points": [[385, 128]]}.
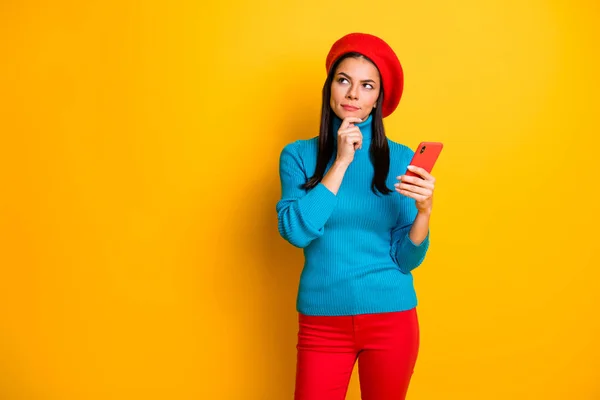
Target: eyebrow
{"points": [[348, 76]]}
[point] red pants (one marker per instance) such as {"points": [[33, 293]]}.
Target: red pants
{"points": [[386, 346]]}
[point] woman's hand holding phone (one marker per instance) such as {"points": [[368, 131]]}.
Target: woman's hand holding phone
{"points": [[418, 183], [418, 188]]}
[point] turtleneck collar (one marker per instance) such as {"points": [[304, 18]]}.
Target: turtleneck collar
{"points": [[365, 129]]}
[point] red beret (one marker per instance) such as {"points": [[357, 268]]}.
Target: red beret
{"points": [[382, 55]]}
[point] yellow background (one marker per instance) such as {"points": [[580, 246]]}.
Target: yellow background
{"points": [[139, 251]]}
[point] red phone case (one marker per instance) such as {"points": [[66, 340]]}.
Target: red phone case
{"points": [[425, 157]]}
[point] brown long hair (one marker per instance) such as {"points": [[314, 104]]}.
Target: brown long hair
{"points": [[379, 151]]}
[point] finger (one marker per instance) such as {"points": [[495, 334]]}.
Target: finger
{"points": [[357, 144], [412, 195], [420, 171], [352, 138], [351, 129], [416, 181], [415, 189], [352, 135], [349, 120]]}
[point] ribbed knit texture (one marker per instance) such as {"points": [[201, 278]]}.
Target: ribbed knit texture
{"points": [[358, 255]]}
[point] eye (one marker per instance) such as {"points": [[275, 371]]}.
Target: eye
{"points": [[342, 80], [368, 86]]}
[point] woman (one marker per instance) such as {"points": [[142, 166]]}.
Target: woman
{"points": [[361, 239]]}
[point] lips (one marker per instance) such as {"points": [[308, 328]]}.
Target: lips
{"points": [[349, 108]]}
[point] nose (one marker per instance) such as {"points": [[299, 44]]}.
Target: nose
{"points": [[352, 93]]}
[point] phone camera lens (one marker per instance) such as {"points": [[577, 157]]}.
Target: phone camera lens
{"points": [[423, 149]]}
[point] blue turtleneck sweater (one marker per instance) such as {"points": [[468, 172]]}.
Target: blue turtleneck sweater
{"points": [[358, 255]]}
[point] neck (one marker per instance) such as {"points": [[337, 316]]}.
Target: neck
{"points": [[365, 129]]}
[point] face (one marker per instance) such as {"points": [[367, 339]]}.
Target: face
{"points": [[355, 88]]}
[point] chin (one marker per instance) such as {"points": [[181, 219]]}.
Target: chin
{"points": [[344, 113]]}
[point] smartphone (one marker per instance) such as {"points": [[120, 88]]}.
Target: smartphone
{"points": [[425, 156]]}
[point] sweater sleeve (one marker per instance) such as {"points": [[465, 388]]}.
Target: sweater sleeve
{"points": [[405, 253], [301, 215]]}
